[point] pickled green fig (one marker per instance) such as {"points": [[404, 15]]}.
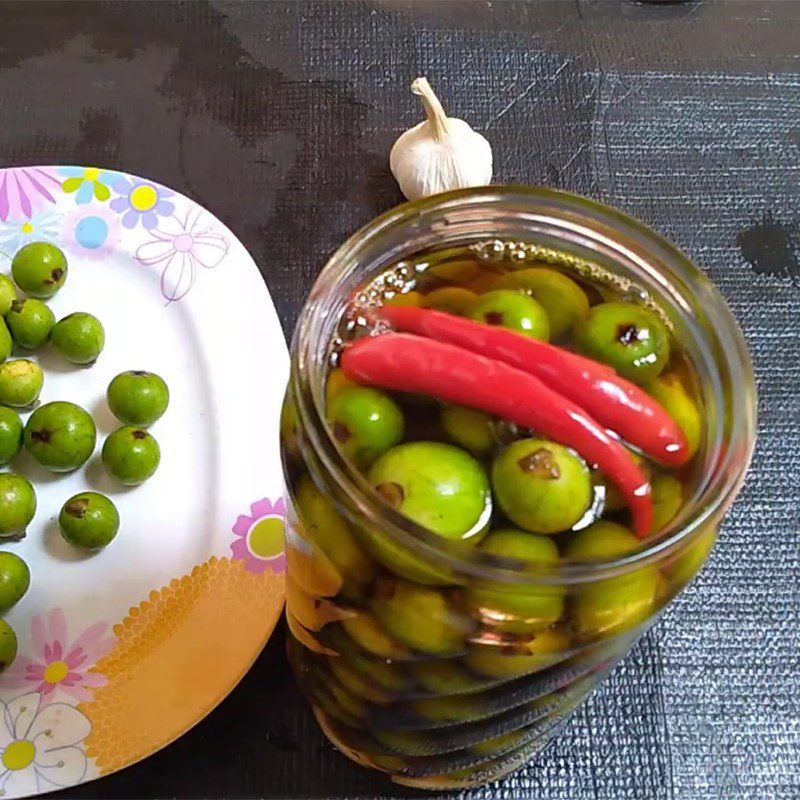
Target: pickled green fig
{"points": [[541, 486], [667, 493], [461, 271], [499, 744], [289, 427], [513, 310], [437, 486], [354, 706], [365, 423], [366, 631], [518, 607], [610, 605], [389, 676], [682, 568], [627, 337], [336, 381], [356, 684], [410, 299], [542, 650], [562, 299], [407, 563], [331, 532], [419, 617], [325, 699], [444, 677], [602, 541], [452, 300], [668, 389], [450, 708], [468, 428]]}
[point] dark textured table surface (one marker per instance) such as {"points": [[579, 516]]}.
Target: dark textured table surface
{"points": [[279, 117]]}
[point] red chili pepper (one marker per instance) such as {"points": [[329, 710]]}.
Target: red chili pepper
{"points": [[615, 402], [406, 363]]}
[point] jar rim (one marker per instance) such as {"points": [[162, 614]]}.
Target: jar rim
{"points": [[578, 218]]}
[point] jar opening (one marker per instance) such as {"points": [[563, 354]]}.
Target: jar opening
{"points": [[595, 236]]}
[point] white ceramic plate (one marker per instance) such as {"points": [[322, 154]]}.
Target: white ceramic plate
{"points": [[122, 651]]}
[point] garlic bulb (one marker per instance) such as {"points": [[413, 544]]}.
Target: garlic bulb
{"points": [[440, 153]]}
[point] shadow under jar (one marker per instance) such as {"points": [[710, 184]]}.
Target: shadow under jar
{"points": [[446, 613]]}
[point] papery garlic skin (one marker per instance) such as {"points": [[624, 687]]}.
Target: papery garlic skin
{"points": [[439, 154]]}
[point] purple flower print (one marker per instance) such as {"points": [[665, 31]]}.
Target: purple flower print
{"points": [[141, 200]]}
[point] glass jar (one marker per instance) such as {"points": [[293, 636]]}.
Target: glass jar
{"points": [[448, 668]]}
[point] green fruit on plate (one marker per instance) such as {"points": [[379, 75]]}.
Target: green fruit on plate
{"points": [[8, 294], [89, 521], [10, 434], [21, 382], [131, 455], [30, 322], [15, 578], [39, 269], [60, 436], [79, 337], [137, 397], [17, 505], [8, 645], [6, 342]]}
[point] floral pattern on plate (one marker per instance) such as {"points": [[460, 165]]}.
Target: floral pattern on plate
{"points": [[40, 745], [87, 183], [260, 537], [41, 226], [26, 190], [141, 201], [58, 662], [179, 246]]}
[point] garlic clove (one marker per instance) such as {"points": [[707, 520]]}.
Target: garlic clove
{"points": [[439, 154]]}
